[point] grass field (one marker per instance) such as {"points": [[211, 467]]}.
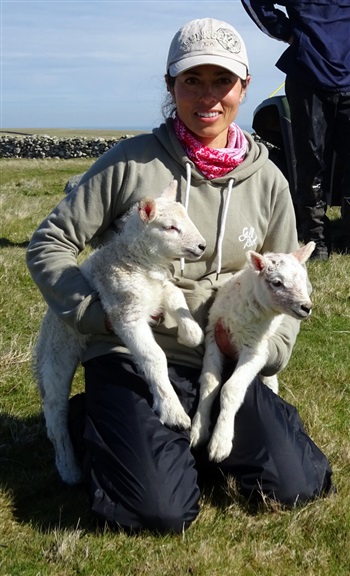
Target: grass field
{"points": [[46, 528]]}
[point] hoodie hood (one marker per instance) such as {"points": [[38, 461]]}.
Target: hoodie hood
{"points": [[257, 156]]}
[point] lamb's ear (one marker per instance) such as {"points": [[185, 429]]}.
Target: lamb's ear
{"points": [[256, 260], [170, 191], [304, 253], [147, 209]]}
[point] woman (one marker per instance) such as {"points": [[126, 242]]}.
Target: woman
{"points": [[139, 473]]}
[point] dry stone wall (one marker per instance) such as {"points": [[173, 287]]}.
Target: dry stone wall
{"points": [[42, 146]]}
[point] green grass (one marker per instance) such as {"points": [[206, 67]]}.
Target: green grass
{"points": [[46, 528]]}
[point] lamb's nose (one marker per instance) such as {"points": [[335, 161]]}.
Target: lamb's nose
{"points": [[306, 308], [202, 247]]}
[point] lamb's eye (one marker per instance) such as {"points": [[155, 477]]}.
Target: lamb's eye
{"points": [[171, 229], [277, 283]]}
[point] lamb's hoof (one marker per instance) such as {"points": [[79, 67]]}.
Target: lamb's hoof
{"points": [[192, 337], [199, 433], [72, 475], [176, 419], [182, 422], [219, 450], [271, 382]]}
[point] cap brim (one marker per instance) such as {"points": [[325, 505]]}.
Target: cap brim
{"points": [[233, 66]]}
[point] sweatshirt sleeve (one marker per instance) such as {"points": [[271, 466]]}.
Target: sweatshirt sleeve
{"points": [[281, 346], [269, 19]]}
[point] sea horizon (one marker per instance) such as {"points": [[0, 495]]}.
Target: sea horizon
{"points": [[245, 127]]}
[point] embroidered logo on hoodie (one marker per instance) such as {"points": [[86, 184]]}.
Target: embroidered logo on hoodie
{"points": [[248, 236]]}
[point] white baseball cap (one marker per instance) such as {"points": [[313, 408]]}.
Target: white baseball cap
{"points": [[207, 41]]}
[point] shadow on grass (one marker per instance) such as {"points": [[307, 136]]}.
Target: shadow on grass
{"points": [[340, 244], [29, 477], [5, 243], [222, 492]]}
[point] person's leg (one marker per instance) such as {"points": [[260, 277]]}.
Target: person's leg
{"points": [[342, 139], [272, 455], [141, 474], [312, 120]]}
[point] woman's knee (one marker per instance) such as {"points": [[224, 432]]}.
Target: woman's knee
{"points": [[301, 475], [151, 507], [291, 494], [273, 455], [164, 512]]}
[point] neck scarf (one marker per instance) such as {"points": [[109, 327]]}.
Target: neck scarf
{"points": [[213, 162]]}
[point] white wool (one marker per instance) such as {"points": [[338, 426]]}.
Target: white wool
{"points": [[250, 306], [130, 274]]}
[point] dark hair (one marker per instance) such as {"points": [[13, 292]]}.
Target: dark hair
{"points": [[169, 106]]}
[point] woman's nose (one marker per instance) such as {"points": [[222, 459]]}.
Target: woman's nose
{"points": [[207, 95]]}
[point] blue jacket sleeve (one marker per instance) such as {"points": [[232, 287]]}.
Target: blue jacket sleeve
{"points": [[269, 19]]}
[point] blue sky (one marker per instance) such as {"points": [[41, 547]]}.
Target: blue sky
{"points": [[100, 64]]}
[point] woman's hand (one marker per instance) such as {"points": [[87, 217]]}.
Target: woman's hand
{"points": [[155, 320], [222, 339], [108, 324]]}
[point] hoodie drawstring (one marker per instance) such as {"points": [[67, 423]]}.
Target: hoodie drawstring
{"points": [[223, 226], [187, 196], [222, 223]]}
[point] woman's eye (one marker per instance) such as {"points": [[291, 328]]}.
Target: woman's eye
{"points": [[191, 80], [225, 81]]}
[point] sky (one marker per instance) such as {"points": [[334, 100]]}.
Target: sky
{"points": [[101, 63]]}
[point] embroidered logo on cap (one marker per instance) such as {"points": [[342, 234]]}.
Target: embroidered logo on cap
{"points": [[228, 40], [223, 36]]}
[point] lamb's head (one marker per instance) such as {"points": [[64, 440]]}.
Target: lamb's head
{"points": [[283, 280], [168, 230]]}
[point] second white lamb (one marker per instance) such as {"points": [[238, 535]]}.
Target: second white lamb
{"points": [[250, 307]]}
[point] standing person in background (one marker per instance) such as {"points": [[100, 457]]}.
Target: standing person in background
{"points": [[317, 68], [139, 473]]}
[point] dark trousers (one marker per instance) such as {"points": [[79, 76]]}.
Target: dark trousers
{"points": [[320, 126], [141, 474]]}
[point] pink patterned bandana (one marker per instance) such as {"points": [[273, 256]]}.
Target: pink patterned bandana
{"points": [[213, 162]]}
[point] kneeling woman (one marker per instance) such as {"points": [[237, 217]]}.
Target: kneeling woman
{"points": [[139, 473]]}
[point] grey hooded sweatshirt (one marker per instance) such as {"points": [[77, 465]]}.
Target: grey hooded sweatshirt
{"points": [[248, 209]]}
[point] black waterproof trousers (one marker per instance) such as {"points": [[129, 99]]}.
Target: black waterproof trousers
{"points": [[321, 127], [143, 475]]}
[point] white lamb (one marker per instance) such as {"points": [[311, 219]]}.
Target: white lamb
{"points": [[250, 306], [131, 275]]}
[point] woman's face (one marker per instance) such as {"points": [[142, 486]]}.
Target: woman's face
{"points": [[207, 99]]}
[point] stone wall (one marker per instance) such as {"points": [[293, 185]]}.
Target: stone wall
{"points": [[42, 146]]}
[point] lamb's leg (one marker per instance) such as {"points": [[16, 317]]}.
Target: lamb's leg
{"points": [[210, 380], [139, 339], [271, 382], [56, 416], [56, 355], [232, 396], [189, 332]]}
